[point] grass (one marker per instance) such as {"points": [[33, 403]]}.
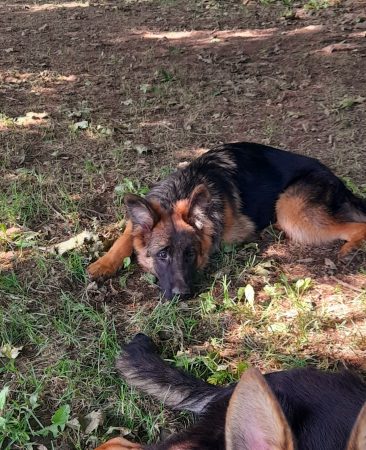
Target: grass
{"points": [[59, 346], [83, 345], [267, 304], [67, 349]]}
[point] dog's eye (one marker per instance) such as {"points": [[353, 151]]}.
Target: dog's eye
{"points": [[163, 254]]}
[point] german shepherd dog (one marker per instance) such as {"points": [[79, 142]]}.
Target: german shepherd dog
{"points": [[302, 409], [226, 195]]}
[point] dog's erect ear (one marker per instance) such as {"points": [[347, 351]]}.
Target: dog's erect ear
{"points": [[198, 203], [254, 419], [358, 436], [141, 212]]}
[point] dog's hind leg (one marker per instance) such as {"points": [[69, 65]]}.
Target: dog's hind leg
{"points": [[109, 263], [309, 221], [143, 368], [354, 234]]}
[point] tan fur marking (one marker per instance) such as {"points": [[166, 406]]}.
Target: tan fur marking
{"points": [[313, 225], [118, 443], [181, 208], [357, 440], [146, 244], [237, 227], [206, 244], [179, 216], [254, 418], [144, 260], [113, 259]]}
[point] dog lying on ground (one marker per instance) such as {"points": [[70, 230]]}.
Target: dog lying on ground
{"points": [[226, 195], [303, 409]]}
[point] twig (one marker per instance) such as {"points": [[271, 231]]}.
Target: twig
{"points": [[347, 285]]}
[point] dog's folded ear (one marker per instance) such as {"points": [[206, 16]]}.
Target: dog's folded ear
{"points": [[254, 419], [141, 212], [358, 436], [198, 204]]}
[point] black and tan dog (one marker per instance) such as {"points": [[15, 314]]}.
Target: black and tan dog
{"points": [[226, 195], [302, 409]]}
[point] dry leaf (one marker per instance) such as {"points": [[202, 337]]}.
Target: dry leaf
{"points": [[94, 419], [7, 351], [330, 264], [78, 241]]}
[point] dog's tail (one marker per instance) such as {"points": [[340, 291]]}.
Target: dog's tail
{"points": [[143, 368]]}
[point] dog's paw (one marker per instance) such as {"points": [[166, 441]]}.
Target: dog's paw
{"points": [[345, 253], [118, 443], [101, 268], [140, 342]]}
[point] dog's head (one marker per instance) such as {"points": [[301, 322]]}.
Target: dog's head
{"points": [[172, 244], [255, 420]]}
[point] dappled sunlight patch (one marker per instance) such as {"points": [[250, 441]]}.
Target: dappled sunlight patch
{"points": [[16, 77], [29, 119], [208, 37], [357, 35], [304, 30], [54, 6], [7, 260], [337, 47], [191, 153], [157, 123], [32, 118], [46, 91]]}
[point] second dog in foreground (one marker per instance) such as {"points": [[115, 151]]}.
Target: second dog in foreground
{"points": [[224, 196], [302, 409]]}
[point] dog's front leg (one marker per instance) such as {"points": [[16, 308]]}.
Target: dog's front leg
{"points": [[108, 264], [119, 443]]}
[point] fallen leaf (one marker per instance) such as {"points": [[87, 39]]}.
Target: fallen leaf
{"points": [[145, 87], [93, 286], [94, 419], [7, 351], [78, 241], [123, 431], [277, 327], [31, 118], [104, 130], [249, 294], [82, 125], [141, 149], [74, 424], [330, 264]]}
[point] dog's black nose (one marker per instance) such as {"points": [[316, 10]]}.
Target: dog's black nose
{"points": [[183, 292]]}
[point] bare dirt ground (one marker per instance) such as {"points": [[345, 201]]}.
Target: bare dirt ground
{"points": [[99, 98]]}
